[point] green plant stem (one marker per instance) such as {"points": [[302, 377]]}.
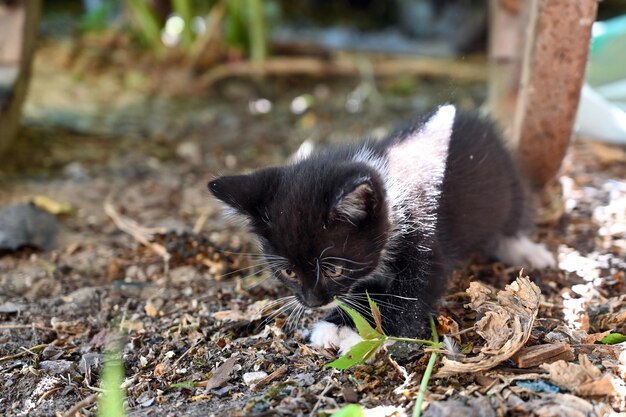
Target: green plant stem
{"points": [[150, 29], [422, 341], [417, 410], [183, 9], [258, 41]]}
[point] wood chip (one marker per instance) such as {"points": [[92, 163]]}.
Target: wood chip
{"points": [[274, 375], [536, 355]]}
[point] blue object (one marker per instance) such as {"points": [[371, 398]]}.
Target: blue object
{"points": [[539, 386]]}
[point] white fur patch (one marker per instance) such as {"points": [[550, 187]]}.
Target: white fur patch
{"points": [[420, 160], [521, 251], [328, 335], [304, 151]]}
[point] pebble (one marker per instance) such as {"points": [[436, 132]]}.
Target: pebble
{"points": [[57, 367], [91, 361], [251, 378]]}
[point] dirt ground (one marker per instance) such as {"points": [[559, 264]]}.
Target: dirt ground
{"points": [[97, 140]]}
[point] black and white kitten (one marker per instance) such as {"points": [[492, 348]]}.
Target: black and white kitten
{"points": [[389, 217]]}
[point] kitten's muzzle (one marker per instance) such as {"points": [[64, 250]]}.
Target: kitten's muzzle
{"points": [[313, 300]]}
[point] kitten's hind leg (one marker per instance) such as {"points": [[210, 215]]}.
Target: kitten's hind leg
{"points": [[519, 250]]}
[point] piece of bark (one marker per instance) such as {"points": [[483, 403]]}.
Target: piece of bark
{"points": [[536, 355]]}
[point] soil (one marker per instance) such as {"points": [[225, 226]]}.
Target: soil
{"points": [[95, 136]]}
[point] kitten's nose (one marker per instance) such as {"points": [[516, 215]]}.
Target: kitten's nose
{"points": [[314, 300]]}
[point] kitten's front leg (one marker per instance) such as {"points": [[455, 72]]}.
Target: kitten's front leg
{"points": [[333, 333]]}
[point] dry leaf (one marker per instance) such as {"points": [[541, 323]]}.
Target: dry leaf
{"points": [[151, 310], [593, 338], [221, 375], [506, 324], [230, 315], [159, 370], [131, 325], [602, 387], [570, 375], [446, 325]]}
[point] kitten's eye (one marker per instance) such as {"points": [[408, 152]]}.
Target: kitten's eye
{"points": [[333, 271], [288, 273]]}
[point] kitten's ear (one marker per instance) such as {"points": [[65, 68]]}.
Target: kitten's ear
{"points": [[357, 202], [420, 158], [247, 194]]}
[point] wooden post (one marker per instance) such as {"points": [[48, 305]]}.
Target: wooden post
{"points": [[544, 81]]}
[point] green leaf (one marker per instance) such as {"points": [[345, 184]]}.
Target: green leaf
{"points": [[183, 384], [376, 314], [359, 353], [350, 410], [612, 339], [364, 329]]}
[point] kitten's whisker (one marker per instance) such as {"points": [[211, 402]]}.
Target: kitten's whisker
{"points": [[357, 306], [382, 303], [336, 258]]}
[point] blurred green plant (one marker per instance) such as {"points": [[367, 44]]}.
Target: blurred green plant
{"points": [[244, 24], [111, 403], [350, 410], [147, 25]]}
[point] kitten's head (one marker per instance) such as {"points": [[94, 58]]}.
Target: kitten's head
{"points": [[323, 224]]}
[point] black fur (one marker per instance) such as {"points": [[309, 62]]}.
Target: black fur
{"points": [[301, 212]]}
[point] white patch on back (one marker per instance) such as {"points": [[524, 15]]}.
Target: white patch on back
{"points": [[419, 161], [521, 251], [328, 335], [304, 151]]}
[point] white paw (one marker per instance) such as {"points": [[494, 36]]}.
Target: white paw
{"points": [[521, 251], [328, 335]]}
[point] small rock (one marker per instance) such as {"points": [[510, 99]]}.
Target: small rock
{"points": [[190, 152], [304, 380], [27, 225], [251, 378], [9, 308], [52, 352], [57, 367], [222, 392], [90, 362], [349, 394]]}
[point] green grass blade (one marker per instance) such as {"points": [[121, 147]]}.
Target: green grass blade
{"points": [[417, 410], [111, 403]]}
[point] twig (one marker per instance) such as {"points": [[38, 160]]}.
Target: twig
{"points": [[417, 410], [25, 326], [390, 67], [47, 394], [320, 397], [276, 374], [24, 353], [197, 228], [81, 404], [139, 233]]}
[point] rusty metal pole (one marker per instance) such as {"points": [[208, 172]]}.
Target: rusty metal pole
{"points": [[553, 69]]}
